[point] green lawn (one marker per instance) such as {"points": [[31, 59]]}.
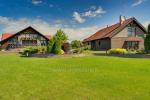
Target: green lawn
{"points": [[83, 78]]}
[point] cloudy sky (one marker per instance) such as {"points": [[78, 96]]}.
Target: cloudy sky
{"points": [[78, 18]]}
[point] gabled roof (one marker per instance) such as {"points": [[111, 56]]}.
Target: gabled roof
{"points": [[6, 36], [48, 36], [112, 30]]}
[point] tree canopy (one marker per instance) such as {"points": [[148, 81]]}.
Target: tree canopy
{"points": [[56, 42], [147, 40], [76, 44]]}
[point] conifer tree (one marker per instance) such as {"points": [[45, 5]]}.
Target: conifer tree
{"points": [[147, 41]]}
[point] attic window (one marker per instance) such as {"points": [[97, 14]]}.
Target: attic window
{"points": [[131, 31]]}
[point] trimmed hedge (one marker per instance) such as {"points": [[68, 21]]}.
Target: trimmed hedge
{"points": [[117, 51]]}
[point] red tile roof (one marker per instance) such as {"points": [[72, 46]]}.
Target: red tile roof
{"points": [[101, 33], [112, 30], [6, 35], [48, 36]]}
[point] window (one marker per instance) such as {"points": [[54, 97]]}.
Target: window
{"points": [[131, 31], [43, 42], [132, 45], [141, 35], [29, 42]]}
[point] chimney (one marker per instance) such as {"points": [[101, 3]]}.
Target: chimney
{"points": [[122, 19]]}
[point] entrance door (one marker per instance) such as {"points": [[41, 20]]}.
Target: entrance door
{"points": [[93, 45]]}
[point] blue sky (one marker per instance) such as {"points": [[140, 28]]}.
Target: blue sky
{"points": [[78, 18]]}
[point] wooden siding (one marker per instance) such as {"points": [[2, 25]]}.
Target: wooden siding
{"points": [[119, 39], [26, 35], [102, 44], [124, 32]]}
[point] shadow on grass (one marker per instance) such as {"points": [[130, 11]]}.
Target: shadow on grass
{"points": [[38, 55], [123, 55], [93, 54]]}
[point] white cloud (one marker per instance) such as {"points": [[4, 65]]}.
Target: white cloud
{"points": [[146, 24], [36, 2], [12, 26], [51, 5], [78, 17], [80, 33], [93, 7], [93, 12], [138, 2]]}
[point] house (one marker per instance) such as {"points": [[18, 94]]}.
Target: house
{"points": [[26, 37], [128, 34]]}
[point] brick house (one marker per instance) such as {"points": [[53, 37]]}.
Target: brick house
{"points": [[128, 34]]}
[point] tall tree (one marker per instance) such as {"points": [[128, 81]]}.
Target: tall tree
{"points": [[55, 44], [51, 45], [147, 40], [60, 36]]}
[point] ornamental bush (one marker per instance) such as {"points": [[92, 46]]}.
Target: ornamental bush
{"points": [[34, 49], [78, 51], [117, 51], [76, 44], [42, 49], [87, 47], [31, 49], [61, 52], [141, 51]]}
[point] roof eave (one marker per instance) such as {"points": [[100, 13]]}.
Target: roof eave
{"points": [[21, 31]]}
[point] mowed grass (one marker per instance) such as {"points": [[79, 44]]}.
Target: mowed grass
{"points": [[74, 78]]}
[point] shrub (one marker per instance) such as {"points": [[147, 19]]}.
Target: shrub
{"points": [[117, 51], [34, 49], [76, 44], [141, 51], [131, 51], [78, 50], [42, 49], [61, 52], [81, 49], [31, 49], [87, 47]]}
